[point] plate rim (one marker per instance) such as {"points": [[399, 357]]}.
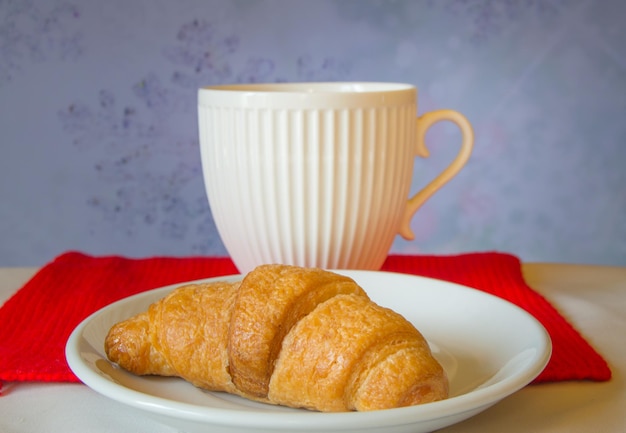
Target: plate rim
{"points": [[428, 412]]}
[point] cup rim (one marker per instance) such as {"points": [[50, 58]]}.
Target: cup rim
{"points": [[343, 87], [308, 94]]}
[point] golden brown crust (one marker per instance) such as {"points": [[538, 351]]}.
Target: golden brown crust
{"points": [[270, 301], [129, 344], [284, 335], [339, 347], [195, 347], [185, 334]]}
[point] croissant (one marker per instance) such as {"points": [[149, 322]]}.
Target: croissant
{"points": [[299, 337]]}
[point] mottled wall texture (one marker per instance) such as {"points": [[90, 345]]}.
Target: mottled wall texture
{"points": [[98, 128]]}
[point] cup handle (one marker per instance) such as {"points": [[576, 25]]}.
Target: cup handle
{"points": [[424, 122]]}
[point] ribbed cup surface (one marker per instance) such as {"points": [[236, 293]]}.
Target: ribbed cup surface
{"points": [[309, 187]]}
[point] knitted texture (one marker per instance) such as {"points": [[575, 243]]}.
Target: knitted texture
{"points": [[39, 318]]}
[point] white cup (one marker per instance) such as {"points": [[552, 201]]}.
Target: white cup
{"points": [[316, 174]]}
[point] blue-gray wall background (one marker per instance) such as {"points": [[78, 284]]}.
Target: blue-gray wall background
{"points": [[98, 129]]}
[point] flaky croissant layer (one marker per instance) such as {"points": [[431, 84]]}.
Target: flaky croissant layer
{"points": [[299, 337]]}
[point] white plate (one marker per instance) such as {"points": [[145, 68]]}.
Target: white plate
{"points": [[489, 348]]}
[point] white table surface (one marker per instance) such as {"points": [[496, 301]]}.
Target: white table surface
{"points": [[593, 298]]}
